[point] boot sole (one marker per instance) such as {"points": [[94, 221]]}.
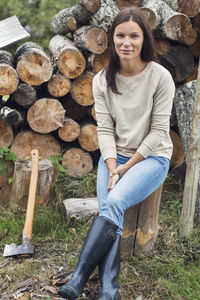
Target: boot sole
{"points": [[68, 293]]}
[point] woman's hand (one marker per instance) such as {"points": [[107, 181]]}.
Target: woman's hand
{"points": [[115, 175]]}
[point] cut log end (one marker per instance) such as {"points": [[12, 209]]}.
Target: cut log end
{"points": [[6, 136], [71, 23], [34, 68], [46, 115], [70, 130], [77, 162], [8, 79], [96, 40], [88, 137], [128, 3], [178, 28], [71, 63], [162, 46], [188, 7], [150, 16], [59, 85]]}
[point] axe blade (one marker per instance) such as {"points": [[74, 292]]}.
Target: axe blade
{"points": [[15, 250]]}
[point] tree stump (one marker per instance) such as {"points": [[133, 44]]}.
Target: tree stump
{"points": [[21, 182], [141, 226], [5, 191]]}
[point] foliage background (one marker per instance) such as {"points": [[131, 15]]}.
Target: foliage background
{"points": [[35, 16]]}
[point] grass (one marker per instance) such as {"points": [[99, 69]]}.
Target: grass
{"points": [[170, 272]]}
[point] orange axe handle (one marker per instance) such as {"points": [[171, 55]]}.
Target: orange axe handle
{"points": [[28, 225]]}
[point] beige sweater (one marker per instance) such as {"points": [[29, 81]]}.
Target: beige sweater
{"points": [[139, 119]]}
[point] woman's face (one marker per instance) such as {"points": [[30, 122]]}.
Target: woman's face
{"points": [[128, 40]]}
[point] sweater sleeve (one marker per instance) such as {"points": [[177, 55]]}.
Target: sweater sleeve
{"points": [[105, 123], [160, 117]]}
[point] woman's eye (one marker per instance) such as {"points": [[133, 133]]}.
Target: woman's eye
{"points": [[133, 36], [120, 35]]}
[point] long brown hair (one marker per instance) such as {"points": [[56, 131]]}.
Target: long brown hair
{"points": [[148, 49]]}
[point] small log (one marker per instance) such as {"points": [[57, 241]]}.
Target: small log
{"points": [[46, 115], [21, 181], [169, 24], [195, 48], [88, 137], [74, 110], [162, 46], [91, 112], [6, 174], [141, 226], [104, 16], [70, 61], [59, 85], [8, 76], [79, 208], [6, 136], [33, 65], [128, 3], [5, 191], [70, 19], [81, 90], [12, 116], [98, 61], [187, 7], [91, 38], [193, 75], [178, 151], [25, 95], [25, 141], [77, 162], [179, 61], [70, 130]]}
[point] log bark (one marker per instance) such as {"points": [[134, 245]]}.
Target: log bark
{"points": [[192, 171], [105, 15], [46, 115], [141, 226], [70, 130], [162, 46], [8, 76], [178, 151], [74, 110], [81, 90], [69, 60], [98, 61], [179, 61], [21, 181], [193, 75], [6, 136], [12, 116], [70, 19], [128, 3], [88, 137], [59, 85], [169, 24], [25, 95], [196, 23], [33, 65], [79, 208], [25, 141], [91, 38], [187, 7], [77, 162]]}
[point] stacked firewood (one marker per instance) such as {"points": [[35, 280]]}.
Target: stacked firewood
{"points": [[46, 99]]}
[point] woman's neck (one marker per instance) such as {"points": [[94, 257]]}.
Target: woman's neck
{"points": [[127, 69]]}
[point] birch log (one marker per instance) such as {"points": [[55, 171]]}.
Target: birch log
{"points": [[169, 24], [128, 3], [25, 95], [70, 61], [192, 171], [187, 7], [70, 19], [69, 131], [59, 85]]}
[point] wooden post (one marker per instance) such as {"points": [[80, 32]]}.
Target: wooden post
{"points": [[192, 171], [141, 226]]}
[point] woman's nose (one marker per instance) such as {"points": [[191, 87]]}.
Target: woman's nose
{"points": [[126, 41]]}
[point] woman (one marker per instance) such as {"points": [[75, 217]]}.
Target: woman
{"points": [[133, 101]]}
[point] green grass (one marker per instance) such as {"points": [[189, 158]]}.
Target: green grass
{"points": [[170, 272]]}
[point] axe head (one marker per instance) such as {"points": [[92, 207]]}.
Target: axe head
{"points": [[17, 250]]}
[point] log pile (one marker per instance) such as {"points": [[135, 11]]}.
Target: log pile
{"points": [[46, 98]]}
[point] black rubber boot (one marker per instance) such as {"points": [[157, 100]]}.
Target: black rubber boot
{"points": [[109, 269], [100, 237]]}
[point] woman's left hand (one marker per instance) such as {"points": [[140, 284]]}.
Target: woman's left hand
{"points": [[116, 174]]}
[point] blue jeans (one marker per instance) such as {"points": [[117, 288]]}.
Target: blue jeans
{"points": [[135, 185]]}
